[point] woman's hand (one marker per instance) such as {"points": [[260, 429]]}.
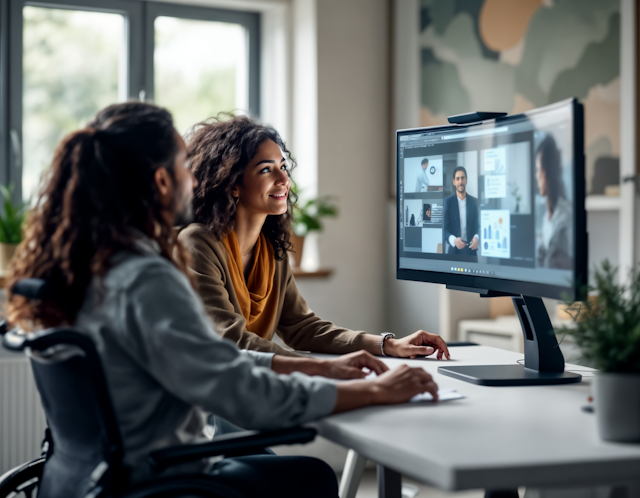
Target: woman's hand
{"points": [[349, 366], [394, 386], [420, 343]]}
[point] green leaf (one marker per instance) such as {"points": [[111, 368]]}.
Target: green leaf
{"points": [[607, 327], [306, 217], [12, 217]]}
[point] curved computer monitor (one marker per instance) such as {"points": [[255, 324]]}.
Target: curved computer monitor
{"points": [[506, 204]]}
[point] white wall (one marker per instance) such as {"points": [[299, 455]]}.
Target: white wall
{"points": [[410, 305], [353, 154], [353, 161]]}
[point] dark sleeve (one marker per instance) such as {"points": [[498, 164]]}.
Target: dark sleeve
{"points": [[476, 220], [446, 222]]}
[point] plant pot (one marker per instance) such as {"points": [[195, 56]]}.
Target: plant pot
{"points": [[295, 253], [6, 253], [617, 403]]}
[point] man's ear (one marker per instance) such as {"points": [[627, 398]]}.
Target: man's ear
{"points": [[164, 183]]}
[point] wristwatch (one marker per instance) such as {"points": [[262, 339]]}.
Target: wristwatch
{"points": [[385, 336]]}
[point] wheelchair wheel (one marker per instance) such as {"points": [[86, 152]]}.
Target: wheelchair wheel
{"points": [[22, 481]]}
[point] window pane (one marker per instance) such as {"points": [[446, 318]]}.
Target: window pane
{"points": [[72, 64], [200, 68]]}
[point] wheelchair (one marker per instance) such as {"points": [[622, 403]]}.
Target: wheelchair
{"points": [[82, 451]]}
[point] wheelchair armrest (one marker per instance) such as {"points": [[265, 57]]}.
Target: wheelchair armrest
{"points": [[14, 341], [32, 288], [232, 444]]}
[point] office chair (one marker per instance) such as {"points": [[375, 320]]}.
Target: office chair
{"points": [[82, 453]]}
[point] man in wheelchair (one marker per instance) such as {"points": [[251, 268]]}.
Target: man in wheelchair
{"points": [[101, 235]]}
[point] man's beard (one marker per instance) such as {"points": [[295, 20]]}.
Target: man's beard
{"points": [[184, 211]]}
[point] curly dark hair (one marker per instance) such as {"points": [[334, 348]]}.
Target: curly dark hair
{"points": [[220, 149], [551, 163], [99, 191]]}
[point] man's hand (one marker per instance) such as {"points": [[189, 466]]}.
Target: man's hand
{"points": [[474, 244], [394, 386], [420, 343], [403, 383], [349, 366], [460, 244]]}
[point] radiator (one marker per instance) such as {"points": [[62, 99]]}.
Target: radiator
{"points": [[22, 420]]}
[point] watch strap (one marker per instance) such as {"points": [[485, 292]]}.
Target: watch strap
{"points": [[385, 336]]}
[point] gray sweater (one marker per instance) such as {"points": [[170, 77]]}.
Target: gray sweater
{"points": [[167, 368]]}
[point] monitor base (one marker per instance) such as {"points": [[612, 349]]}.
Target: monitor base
{"points": [[508, 375]]}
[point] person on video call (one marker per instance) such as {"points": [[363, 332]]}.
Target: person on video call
{"points": [[238, 246], [461, 224], [553, 252], [427, 213], [422, 180]]}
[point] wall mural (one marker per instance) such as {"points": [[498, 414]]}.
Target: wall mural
{"points": [[513, 56]]}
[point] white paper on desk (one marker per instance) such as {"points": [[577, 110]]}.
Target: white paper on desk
{"points": [[443, 394]]}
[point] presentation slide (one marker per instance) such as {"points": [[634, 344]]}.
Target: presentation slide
{"points": [[496, 233], [495, 160], [507, 177]]}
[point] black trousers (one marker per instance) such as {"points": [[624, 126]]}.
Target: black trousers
{"points": [[276, 476], [265, 474]]}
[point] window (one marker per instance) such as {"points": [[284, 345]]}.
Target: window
{"points": [[63, 60], [203, 61], [71, 62]]}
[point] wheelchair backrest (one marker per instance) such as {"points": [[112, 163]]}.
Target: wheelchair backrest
{"points": [[86, 448]]}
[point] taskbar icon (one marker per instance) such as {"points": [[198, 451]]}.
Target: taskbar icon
{"points": [[472, 270]]}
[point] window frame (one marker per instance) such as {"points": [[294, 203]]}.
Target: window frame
{"points": [[249, 20], [139, 45]]}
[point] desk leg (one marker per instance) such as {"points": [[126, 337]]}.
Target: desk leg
{"points": [[511, 493], [351, 475], [389, 483]]}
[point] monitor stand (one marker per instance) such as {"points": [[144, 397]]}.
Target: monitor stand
{"points": [[543, 360]]}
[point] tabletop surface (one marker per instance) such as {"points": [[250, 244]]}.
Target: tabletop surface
{"points": [[496, 437]]}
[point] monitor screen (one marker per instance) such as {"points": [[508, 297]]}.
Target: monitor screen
{"points": [[497, 205]]}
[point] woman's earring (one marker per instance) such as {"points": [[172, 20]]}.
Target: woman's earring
{"points": [[237, 199]]}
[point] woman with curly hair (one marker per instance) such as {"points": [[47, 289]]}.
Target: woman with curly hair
{"points": [[242, 208], [554, 247]]}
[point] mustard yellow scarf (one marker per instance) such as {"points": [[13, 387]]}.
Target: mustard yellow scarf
{"points": [[258, 305]]}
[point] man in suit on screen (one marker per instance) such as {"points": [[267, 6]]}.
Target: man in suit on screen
{"points": [[461, 218]]}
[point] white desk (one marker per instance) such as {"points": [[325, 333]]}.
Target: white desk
{"points": [[496, 438]]}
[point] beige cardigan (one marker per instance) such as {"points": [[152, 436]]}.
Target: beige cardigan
{"points": [[294, 322]]}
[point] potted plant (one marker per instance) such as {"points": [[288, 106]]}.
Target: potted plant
{"points": [[607, 331], [11, 220], [306, 218]]}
